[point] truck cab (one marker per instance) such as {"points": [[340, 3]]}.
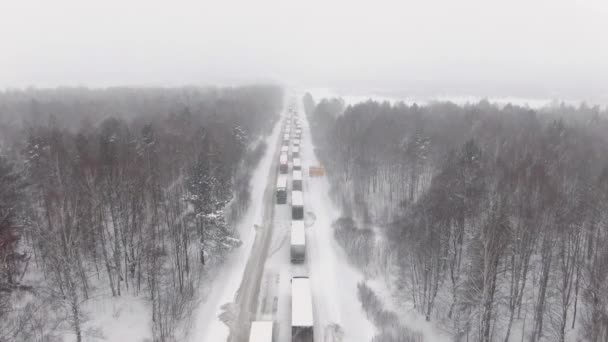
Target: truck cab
{"points": [[281, 189], [283, 167], [296, 179]]}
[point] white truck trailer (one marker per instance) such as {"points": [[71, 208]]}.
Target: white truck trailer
{"points": [[297, 164], [298, 242], [261, 331], [296, 179], [282, 189], [283, 166], [301, 310], [295, 152], [297, 205]]}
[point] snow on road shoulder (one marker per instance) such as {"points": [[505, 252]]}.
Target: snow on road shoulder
{"points": [[334, 281], [207, 326]]}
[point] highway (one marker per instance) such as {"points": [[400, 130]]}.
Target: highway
{"points": [[264, 289]]}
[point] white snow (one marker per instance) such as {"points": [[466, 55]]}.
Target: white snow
{"points": [[116, 319], [350, 98], [301, 302], [261, 331], [409, 317], [207, 326]]}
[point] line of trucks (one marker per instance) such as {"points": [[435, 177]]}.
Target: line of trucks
{"points": [[301, 295]]}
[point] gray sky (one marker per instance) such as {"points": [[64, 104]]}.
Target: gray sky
{"points": [[545, 47]]}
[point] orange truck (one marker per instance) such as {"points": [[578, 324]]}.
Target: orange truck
{"points": [[316, 171]]}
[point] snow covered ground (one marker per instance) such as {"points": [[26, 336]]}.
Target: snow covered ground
{"points": [[115, 319], [207, 326], [408, 316], [351, 99]]}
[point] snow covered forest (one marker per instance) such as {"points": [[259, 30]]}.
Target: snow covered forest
{"points": [[489, 222], [120, 193]]}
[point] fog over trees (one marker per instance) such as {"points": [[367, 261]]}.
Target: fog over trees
{"points": [[490, 221], [120, 192], [482, 222]]}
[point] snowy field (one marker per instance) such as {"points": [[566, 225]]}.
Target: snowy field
{"points": [[351, 99]]}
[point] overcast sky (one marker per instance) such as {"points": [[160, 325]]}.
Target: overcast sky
{"points": [[552, 47]]}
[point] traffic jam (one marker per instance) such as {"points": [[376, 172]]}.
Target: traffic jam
{"points": [[301, 296]]}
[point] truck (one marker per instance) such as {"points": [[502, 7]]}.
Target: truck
{"points": [[297, 177], [302, 320], [297, 205], [297, 164], [295, 152], [283, 167], [261, 331], [298, 242], [316, 171], [282, 189]]}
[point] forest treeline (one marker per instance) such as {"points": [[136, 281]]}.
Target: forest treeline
{"points": [[490, 221], [106, 193]]}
